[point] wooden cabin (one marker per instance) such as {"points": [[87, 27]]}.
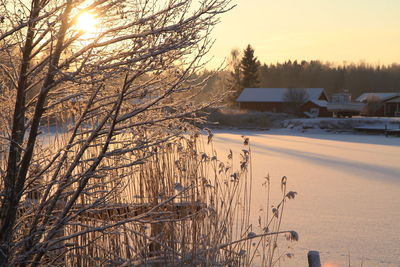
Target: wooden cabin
{"points": [[276, 100], [388, 103]]}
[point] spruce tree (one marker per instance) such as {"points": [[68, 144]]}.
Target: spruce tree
{"points": [[249, 68]]}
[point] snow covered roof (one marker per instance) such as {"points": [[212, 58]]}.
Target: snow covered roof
{"points": [[274, 94], [320, 103], [395, 99], [382, 96]]}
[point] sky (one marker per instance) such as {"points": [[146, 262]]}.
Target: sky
{"points": [[338, 31]]}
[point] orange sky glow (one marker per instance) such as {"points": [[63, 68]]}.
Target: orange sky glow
{"points": [[340, 31]]}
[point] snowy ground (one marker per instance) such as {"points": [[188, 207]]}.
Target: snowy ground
{"points": [[348, 188], [343, 124]]}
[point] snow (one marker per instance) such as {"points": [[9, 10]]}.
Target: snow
{"points": [[342, 123], [381, 96], [320, 103], [274, 94], [348, 188]]}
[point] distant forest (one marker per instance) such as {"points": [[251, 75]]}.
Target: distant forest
{"points": [[357, 78]]}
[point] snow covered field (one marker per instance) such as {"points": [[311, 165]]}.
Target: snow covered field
{"points": [[348, 202]]}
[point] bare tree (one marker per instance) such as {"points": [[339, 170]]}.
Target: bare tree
{"points": [[97, 163], [118, 80], [374, 103], [234, 79], [296, 97]]}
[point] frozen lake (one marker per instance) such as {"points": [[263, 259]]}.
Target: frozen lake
{"points": [[348, 202]]}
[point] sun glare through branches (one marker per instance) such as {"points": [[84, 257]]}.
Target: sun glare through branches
{"points": [[88, 23]]}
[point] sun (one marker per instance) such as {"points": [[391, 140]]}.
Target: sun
{"points": [[87, 22]]}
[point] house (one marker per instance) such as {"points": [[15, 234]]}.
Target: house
{"points": [[381, 104], [276, 100], [316, 108], [342, 106]]}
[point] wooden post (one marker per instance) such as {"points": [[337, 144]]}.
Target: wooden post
{"points": [[313, 259]]}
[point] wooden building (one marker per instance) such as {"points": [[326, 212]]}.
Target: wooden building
{"points": [[388, 103], [276, 100], [316, 108], [391, 106]]}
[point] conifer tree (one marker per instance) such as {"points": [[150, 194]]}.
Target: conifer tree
{"points": [[249, 67]]}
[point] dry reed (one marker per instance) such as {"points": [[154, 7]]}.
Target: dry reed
{"points": [[174, 203]]}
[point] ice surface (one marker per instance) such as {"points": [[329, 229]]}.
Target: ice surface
{"points": [[348, 186]]}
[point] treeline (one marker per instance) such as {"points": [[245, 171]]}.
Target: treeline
{"points": [[357, 78]]}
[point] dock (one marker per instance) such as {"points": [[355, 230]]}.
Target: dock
{"points": [[385, 129]]}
